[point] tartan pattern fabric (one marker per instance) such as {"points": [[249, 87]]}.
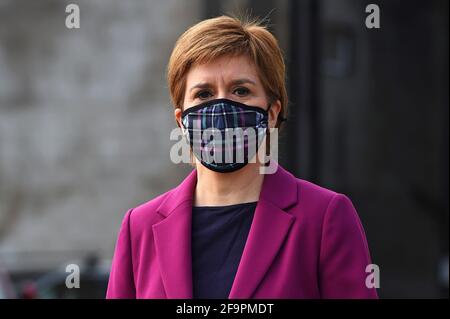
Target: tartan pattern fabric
{"points": [[224, 134]]}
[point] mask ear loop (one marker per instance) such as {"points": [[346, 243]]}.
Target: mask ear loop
{"points": [[281, 119], [267, 164]]}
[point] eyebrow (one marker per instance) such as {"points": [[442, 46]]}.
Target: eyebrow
{"points": [[205, 85]]}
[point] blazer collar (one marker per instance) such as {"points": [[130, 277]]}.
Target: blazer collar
{"points": [[172, 235]]}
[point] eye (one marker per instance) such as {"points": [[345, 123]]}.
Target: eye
{"points": [[203, 95], [241, 91]]}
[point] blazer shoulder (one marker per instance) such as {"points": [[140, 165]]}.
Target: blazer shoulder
{"points": [[146, 213], [313, 192], [314, 200]]}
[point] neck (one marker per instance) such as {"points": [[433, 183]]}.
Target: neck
{"points": [[221, 189]]}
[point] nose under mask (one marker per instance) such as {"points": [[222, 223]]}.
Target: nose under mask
{"points": [[223, 134]]}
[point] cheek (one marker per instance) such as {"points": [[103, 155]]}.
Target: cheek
{"points": [[187, 100], [183, 95]]}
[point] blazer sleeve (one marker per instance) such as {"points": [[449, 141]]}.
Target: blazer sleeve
{"points": [[121, 279], [344, 253]]}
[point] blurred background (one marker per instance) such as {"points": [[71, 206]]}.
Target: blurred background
{"points": [[85, 119]]}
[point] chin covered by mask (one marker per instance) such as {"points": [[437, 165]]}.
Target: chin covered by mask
{"points": [[223, 134]]}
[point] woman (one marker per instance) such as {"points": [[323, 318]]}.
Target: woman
{"points": [[228, 231]]}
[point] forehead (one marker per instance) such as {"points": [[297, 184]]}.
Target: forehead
{"points": [[223, 68]]}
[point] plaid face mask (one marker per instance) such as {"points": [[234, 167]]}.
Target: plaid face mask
{"points": [[224, 134]]}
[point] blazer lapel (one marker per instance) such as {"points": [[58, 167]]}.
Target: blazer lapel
{"points": [[172, 238], [269, 228]]}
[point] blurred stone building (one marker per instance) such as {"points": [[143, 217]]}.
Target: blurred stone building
{"points": [[85, 118]]}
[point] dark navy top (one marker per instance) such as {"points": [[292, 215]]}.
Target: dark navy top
{"points": [[219, 234]]}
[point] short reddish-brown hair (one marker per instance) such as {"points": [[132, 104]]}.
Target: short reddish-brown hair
{"points": [[225, 35]]}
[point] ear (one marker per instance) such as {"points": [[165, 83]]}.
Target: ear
{"points": [[274, 112], [177, 113]]}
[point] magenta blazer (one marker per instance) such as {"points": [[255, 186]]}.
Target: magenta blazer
{"points": [[304, 242]]}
